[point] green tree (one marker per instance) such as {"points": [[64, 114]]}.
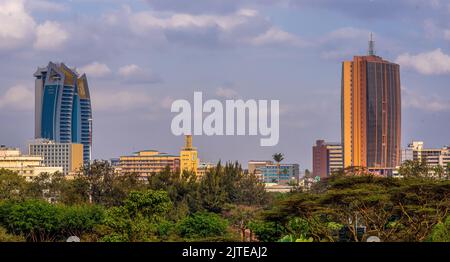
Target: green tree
{"points": [[441, 232], [267, 231], [137, 219], [38, 220], [107, 187], [278, 157], [241, 216], [12, 186], [76, 191], [413, 168], [212, 194], [47, 186], [202, 225]]}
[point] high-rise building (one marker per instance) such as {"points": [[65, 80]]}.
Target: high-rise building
{"points": [[327, 158], [63, 107], [28, 166], [148, 162], [188, 156], [69, 156], [371, 112]]}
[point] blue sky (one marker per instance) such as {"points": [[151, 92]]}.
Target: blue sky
{"points": [[140, 55]]}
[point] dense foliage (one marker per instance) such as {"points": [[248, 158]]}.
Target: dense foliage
{"points": [[225, 205]]}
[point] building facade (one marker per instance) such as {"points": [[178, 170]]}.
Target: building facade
{"points": [[371, 112], [433, 157], [203, 168], [189, 156], [63, 107], [287, 173], [327, 158], [28, 166], [148, 162], [69, 156], [254, 167]]}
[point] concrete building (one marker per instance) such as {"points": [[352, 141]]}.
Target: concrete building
{"points": [[148, 162], [69, 156], [327, 158], [287, 173], [63, 107], [29, 166], [203, 167], [189, 156], [371, 113], [433, 157], [254, 166]]}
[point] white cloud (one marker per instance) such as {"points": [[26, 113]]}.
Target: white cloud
{"points": [[277, 36], [95, 69], [50, 35], [429, 63], [16, 25], [144, 21], [136, 75], [227, 93], [129, 70], [120, 101], [244, 26], [17, 98], [429, 103]]}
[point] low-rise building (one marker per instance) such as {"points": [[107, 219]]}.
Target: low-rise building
{"points": [[203, 167], [254, 167], [148, 162], [433, 157], [282, 174], [29, 166]]}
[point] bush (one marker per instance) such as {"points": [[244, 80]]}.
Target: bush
{"points": [[441, 232], [202, 225]]}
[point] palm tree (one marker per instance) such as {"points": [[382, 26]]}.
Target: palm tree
{"points": [[278, 157]]}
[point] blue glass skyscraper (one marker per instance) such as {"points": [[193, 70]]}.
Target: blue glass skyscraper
{"points": [[63, 107]]}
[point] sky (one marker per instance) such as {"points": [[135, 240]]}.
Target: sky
{"points": [[141, 55]]}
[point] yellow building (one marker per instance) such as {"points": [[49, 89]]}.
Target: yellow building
{"points": [[148, 162], [188, 156], [29, 166]]}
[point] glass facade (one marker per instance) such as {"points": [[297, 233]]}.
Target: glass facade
{"points": [[63, 107], [371, 113]]}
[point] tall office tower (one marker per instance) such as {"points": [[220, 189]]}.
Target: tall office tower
{"points": [[63, 107], [188, 156], [371, 112], [327, 158]]}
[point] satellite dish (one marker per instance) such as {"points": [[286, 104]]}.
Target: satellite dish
{"points": [[73, 239], [373, 239]]}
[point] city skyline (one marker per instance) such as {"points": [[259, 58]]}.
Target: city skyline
{"points": [[281, 53]]}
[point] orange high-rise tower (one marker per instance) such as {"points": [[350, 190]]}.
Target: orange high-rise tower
{"points": [[371, 112]]}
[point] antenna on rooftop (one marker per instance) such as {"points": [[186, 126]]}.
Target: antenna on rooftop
{"points": [[371, 45]]}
